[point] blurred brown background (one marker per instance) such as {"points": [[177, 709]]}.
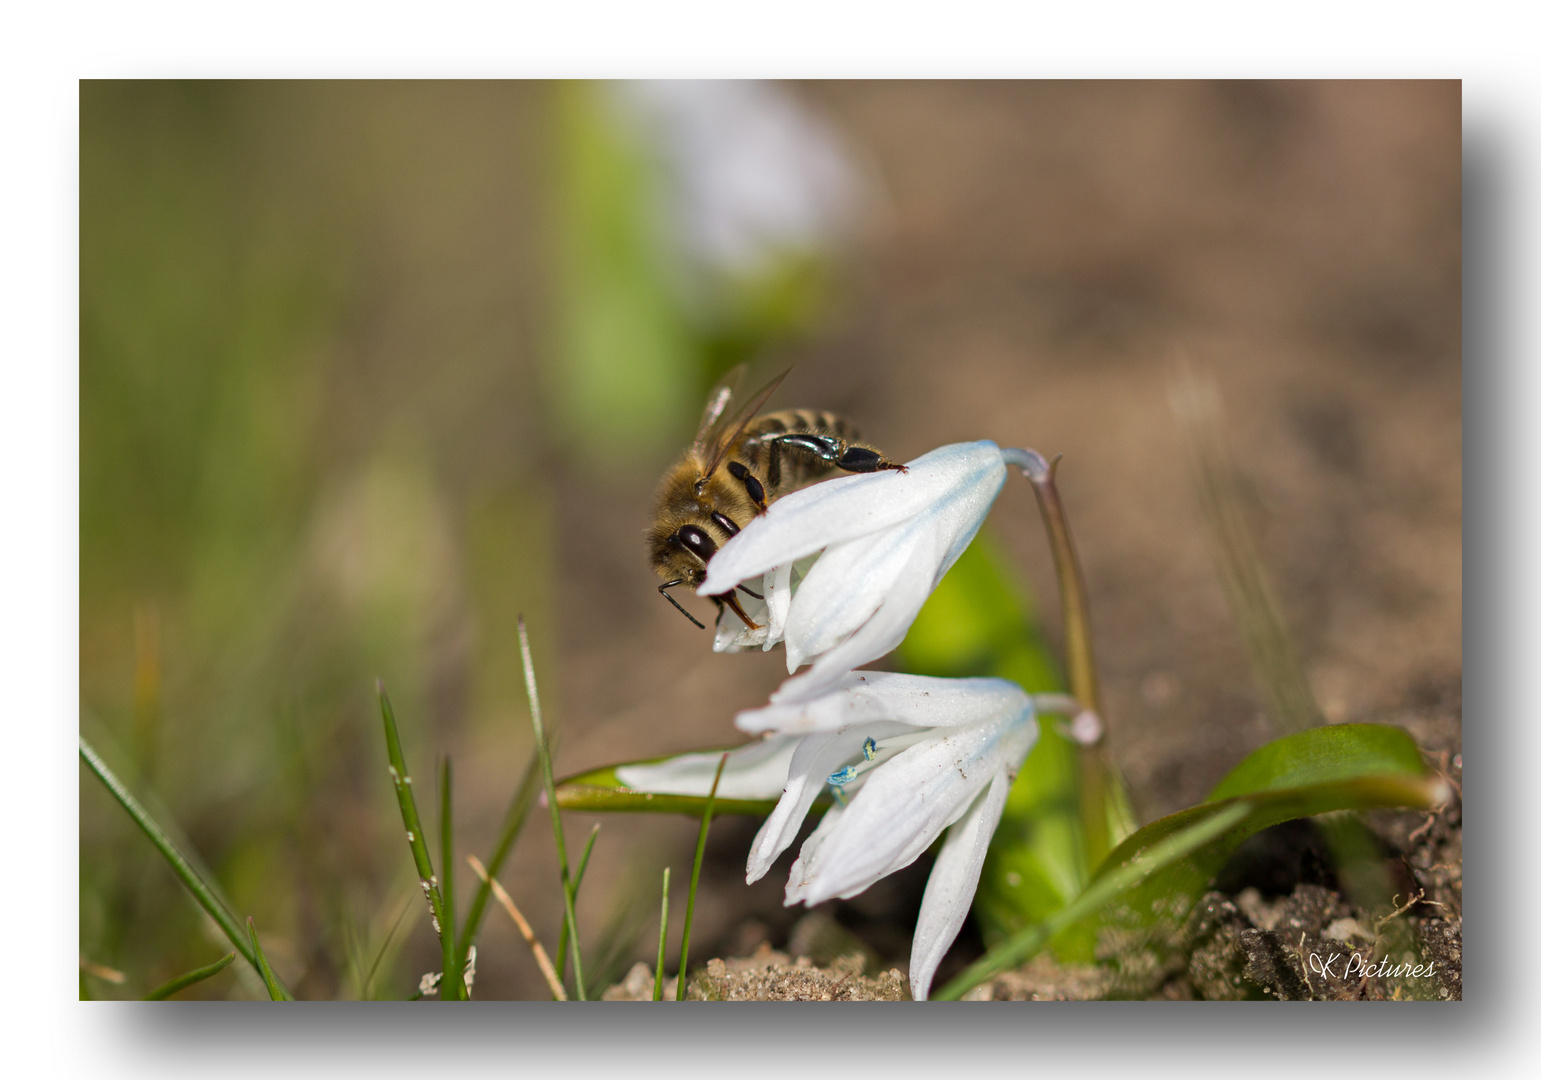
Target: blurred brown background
{"points": [[330, 431]]}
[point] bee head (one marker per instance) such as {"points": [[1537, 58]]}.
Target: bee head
{"points": [[682, 553], [698, 547]]}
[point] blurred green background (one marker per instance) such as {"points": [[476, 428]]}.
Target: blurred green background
{"points": [[339, 342], [369, 368]]}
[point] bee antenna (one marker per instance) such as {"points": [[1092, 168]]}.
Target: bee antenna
{"points": [[663, 591]]}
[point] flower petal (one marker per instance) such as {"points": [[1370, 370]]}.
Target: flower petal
{"points": [[953, 882], [797, 879], [850, 582], [731, 633], [876, 637], [778, 601], [757, 770], [815, 758], [839, 510], [906, 804], [915, 700]]}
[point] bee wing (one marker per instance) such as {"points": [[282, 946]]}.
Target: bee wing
{"points": [[715, 416], [730, 431]]}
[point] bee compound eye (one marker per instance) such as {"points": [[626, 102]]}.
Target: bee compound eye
{"points": [[694, 540]]}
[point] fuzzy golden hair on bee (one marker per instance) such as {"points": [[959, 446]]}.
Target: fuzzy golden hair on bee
{"points": [[737, 466]]}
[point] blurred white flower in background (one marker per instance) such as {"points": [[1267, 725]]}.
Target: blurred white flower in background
{"points": [[752, 176], [882, 542]]}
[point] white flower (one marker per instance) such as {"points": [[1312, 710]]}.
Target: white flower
{"points": [[908, 756], [881, 541], [752, 175]]}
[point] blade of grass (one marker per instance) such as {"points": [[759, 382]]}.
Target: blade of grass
{"points": [[1195, 402], [197, 975], [513, 822], [205, 896], [609, 954], [556, 812], [1020, 947], [663, 938], [275, 991], [695, 878], [553, 980], [384, 948], [402, 782], [583, 865], [454, 976]]}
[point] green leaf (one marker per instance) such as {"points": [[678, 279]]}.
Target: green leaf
{"points": [[1318, 771], [602, 790], [1321, 755]]}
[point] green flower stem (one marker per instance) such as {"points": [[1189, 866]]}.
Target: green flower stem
{"points": [[179, 864], [556, 812], [402, 782], [663, 938], [1079, 661], [197, 975], [1020, 947], [695, 878]]}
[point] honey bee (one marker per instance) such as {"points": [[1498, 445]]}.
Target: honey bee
{"points": [[699, 508]]}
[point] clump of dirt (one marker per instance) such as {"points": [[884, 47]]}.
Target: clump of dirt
{"points": [[1044, 979], [769, 975]]}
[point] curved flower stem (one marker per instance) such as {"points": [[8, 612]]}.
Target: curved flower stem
{"points": [[1079, 662]]}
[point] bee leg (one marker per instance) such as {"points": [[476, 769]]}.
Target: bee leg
{"points": [[855, 459], [732, 601], [860, 459], [663, 591], [752, 486], [820, 446], [751, 592]]}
